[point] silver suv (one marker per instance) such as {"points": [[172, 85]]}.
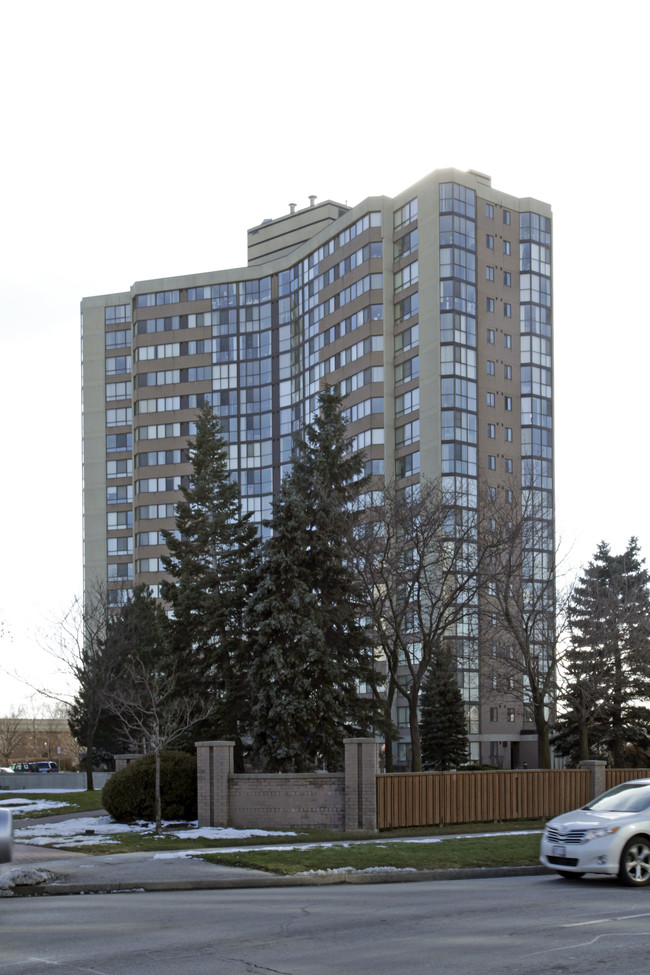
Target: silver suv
{"points": [[43, 767]]}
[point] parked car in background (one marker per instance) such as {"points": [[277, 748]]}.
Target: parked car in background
{"points": [[610, 835], [20, 767], [43, 767]]}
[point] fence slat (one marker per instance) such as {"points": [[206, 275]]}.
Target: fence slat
{"points": [[433, 798]]}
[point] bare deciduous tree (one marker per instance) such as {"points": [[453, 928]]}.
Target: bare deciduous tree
{"points": [[79, 645], [417, 557], [151, 711], [11, 733], [523, 609]]}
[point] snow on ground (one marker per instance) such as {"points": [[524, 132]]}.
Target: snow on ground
{"points": [[341, 843], [23, 877], [326, 873], [72, 832], [31, 805]]}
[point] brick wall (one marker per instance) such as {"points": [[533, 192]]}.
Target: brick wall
{"points": [[344, 800], [288, 801]]}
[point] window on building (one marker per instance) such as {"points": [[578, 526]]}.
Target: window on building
{"points": [[119, 570], [507, 371], [118, 441], [508, 403], [489, 273], [489, 241], [492, 462], [490, 399], [407, 402], [494, 714], [489, 211], [118, 364], [408, 465], [508, 434], [118, 340], [118, 390], [507, 309], [508, 465], [121, 545], [507, 278], [490, 336], [511, 714], [507, 340], [490, 367], [408, 370], [506, 217], [491, 431], [119, 468], [489, 304], [113, 314], [506, 247]]}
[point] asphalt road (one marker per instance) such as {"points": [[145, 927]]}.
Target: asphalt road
{"points": [[509, 926]]}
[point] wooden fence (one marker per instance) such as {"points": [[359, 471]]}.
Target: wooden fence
{"points": [[437, 798]]}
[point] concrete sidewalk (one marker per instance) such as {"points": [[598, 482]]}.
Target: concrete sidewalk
{"points": [[40, 871]]}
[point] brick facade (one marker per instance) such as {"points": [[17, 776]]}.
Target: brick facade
{"points": [[319, 800]]}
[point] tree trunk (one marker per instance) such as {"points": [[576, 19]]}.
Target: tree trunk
{"points": [[157, 788], [416, 751], [584, 742], [90, 748], [543, 745], [388, 736]]}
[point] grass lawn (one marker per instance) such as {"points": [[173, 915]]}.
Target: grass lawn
{"points": [[496, 851], [74, 802], [147, 842]]}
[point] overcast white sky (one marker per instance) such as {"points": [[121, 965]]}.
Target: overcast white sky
{"points": [[143, 139]]}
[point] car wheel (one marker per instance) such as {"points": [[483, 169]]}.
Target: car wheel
{"points": [[634, 868], [569, 875]]}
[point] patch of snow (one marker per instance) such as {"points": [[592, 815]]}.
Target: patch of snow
{"points": [[325, 873], [23, 877], [223, 833], [71, 832], [31, 805]]}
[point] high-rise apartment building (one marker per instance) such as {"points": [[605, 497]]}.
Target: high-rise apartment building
{"points": [[431, 310]]}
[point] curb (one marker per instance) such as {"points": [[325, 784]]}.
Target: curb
{"points": [[325, 880]]}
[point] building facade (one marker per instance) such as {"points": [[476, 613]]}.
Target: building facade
{"points": [[431, 311]]}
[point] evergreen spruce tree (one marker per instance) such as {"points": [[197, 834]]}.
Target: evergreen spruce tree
{"points": [[212, 558], [140, 631], [309, 652], [609, 659], [443, 727]]}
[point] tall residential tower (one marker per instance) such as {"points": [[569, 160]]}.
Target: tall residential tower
{"points": [[432, 311]]}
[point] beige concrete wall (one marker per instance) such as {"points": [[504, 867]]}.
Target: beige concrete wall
{"points": [[94, 434]]}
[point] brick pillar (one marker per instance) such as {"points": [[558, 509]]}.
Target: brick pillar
{"points": [[597, 779], [361, 764], [121, 761], [214, 764]]}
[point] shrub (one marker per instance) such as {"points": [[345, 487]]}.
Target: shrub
{"points": [[130, 793]]}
